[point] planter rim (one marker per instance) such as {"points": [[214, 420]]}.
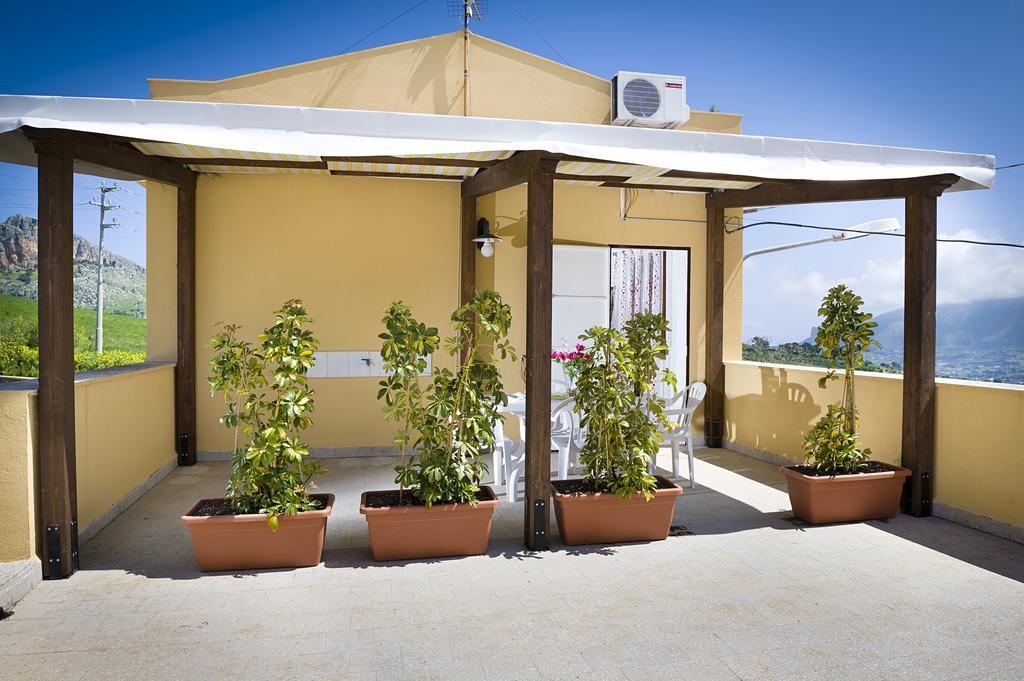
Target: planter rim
{"points": [[674, 490], [894, 471], [490, 502], [190, 519]]}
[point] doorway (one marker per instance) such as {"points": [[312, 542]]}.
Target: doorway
{"points": [[608, 285]]}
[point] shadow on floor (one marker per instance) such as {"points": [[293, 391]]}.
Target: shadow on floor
{"points": [[985, 551]]}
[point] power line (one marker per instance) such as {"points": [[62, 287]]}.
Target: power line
{"points": [[740, 228], [1012, 165], [385, 24], [541, 35]]}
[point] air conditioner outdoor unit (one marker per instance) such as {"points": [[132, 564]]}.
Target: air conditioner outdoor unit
{"points": [[649, 100]]}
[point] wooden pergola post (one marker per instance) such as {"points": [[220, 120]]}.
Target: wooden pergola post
{"points": [[714, 324], [56, 401], [185, 367], [538, 172], [467, 250], [539, 226], [918, 441]]}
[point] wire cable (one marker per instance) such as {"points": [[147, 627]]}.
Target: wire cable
{"points": [[1012, 165], [740, 228], [385, 24], [541, 35]]}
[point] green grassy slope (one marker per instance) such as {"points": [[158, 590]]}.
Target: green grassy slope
{"points": [[120, 332]]}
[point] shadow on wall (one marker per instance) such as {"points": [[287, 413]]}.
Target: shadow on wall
{"points": [[775, 420]]}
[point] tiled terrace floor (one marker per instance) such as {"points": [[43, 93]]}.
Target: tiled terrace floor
{"points": [[750, 594]]}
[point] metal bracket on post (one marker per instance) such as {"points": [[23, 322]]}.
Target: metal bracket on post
{"points": [[713, 436], [540, 533], [926, 494], [74, 545], [53, 550], [185, 455]]}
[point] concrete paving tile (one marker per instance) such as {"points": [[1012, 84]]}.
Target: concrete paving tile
{"points": [[751, 594]]}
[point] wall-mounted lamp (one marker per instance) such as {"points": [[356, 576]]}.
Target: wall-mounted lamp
{"points": [[484, 239]]}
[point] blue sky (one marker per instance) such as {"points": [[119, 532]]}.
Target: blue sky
{"points": [[943, 75]]}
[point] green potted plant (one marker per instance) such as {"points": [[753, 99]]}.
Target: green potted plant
{"points": [[446, 427], [618, 499], [838, 482], [268, 517]]}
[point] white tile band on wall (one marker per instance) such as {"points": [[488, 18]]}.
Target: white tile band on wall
{"points": [[352, 364]]}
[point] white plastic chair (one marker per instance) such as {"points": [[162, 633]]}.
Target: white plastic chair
{"points": [[564, 438], [565, 435], [681, 425], [502, 444]]}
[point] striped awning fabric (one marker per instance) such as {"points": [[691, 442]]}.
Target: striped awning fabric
{"points": [[212, 160]]}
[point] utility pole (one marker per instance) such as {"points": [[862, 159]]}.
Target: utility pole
{"points": [[104, 207]]}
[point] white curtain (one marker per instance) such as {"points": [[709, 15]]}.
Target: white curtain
{"points": [[637, 276]]}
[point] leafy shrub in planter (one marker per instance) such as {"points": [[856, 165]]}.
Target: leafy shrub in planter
{"points": [[845, 334], [449, 422], [615, 394], [269, 401]]}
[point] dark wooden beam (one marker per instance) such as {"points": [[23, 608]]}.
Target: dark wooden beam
{"points": [[251, 163], [56, 401], [405, 161], [185, 369], [508, 173], [106, 153], [539, 226], [826, 192], [404, 176], [659, 187], [714, 320], [609, 179], [918, 441], [725, 177]]}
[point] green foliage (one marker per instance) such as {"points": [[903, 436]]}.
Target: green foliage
{"points": [[845, 334], [615, 394], [269, 401], [831, 446], [802, 354], [18, 317], [17, 359], [90, 360], [449, 422]]}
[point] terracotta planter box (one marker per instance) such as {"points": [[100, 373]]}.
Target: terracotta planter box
{"points": [[409, 532], [605, 518], [244, 542], [845, 498]]}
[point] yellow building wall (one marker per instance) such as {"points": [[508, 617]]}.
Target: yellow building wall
{"points": [[18, 464], [161, 271], [979, 461], [124, 432], [347, 247], [425, 76]]}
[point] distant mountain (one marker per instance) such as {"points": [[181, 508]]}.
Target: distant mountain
{"points": [[983, 340], [124, 279]]}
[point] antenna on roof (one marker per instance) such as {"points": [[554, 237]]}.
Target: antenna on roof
{"points": [[467, 9]]}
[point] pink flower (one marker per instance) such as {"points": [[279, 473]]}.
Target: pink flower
{"points": [[580, 347], [554, 354], [562, 356]]}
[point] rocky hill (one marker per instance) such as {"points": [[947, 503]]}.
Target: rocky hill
{"points": [[125, 280]]}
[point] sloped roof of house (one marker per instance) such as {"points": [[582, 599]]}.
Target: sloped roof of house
{"points": [[221, 137]]}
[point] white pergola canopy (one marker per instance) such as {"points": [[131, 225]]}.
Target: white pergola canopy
{"points": [[258, 138]]}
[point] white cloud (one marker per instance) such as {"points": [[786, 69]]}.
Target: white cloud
{"points": [[966, 273]]}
